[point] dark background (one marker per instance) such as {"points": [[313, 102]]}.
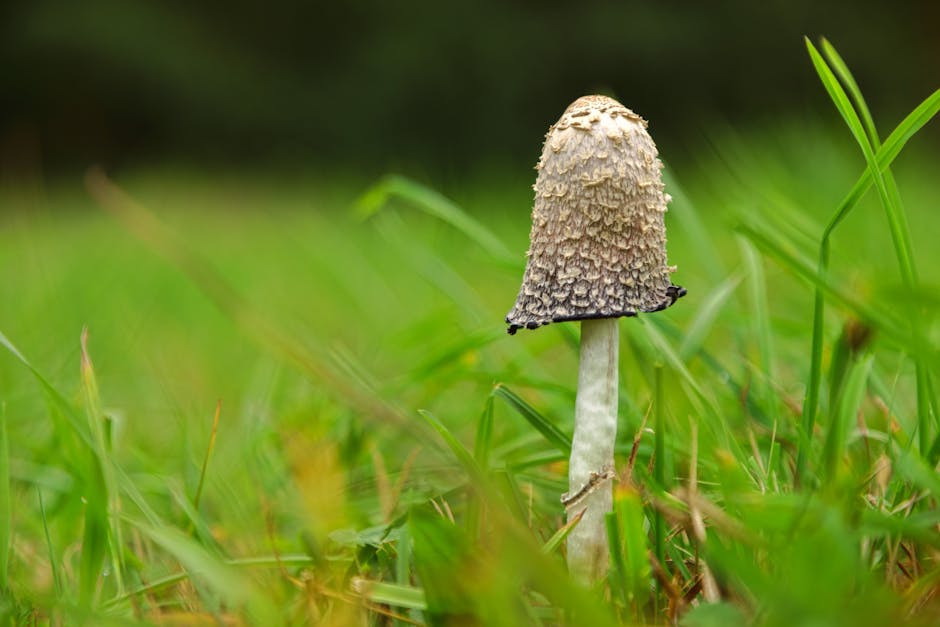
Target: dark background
{"points": [[438, 85]]}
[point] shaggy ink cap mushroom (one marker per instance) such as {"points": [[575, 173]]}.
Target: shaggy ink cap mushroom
{"points": [[598, 239]]}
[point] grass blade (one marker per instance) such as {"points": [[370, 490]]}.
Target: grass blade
{"points": [[618, 568], [849, 403], [636, 549], [209, 449], [396, 595], [403, 558], [896, 222], [108, 487], [842, 70], [841, 101], [53, 560], [558, 538], [890, 200], [889, 151], [95, 535], [555, 436], [925, 397]]}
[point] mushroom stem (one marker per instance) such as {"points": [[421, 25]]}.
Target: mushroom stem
{"points": [[591, 466]]}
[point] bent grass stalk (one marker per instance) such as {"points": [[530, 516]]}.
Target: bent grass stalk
{"points": [[878, 159]]}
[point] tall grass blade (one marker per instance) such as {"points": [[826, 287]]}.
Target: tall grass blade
{"points": [[841, 101], [925, 397], [890, 200], [555, 436], [811, 402], [896, 221], [892, 146], [845, 75], [889, 151]]}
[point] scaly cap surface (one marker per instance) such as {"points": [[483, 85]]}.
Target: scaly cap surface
{"points": [[598, 240]]}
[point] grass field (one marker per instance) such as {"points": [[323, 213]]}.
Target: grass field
{"points": [[287, 400]]}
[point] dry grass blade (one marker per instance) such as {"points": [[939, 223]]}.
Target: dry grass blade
{"points": [[627, 478], [209, 449]]}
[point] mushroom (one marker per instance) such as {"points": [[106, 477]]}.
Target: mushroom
{"points": [[598, 252]]}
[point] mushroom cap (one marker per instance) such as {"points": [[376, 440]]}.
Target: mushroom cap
{"points": [[598, 240]]}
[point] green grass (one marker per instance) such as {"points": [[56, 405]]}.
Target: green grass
{"points": [[296, 402]]}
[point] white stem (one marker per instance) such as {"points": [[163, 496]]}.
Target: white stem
{"points": [[592, 449]]}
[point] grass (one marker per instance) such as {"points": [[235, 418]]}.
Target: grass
{"points": [[268, 400]]}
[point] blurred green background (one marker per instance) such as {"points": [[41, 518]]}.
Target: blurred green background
{"points": [[424, 87], [251, 263]]}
